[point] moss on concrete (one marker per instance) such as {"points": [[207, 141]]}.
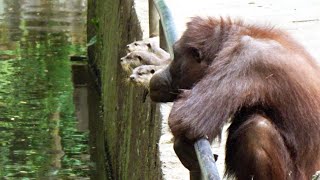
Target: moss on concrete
{"points": [[131, 128]]}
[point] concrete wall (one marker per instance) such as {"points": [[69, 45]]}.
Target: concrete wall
{"points": [[131, 126]]}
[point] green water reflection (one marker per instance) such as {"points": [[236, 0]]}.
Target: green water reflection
{"points": [[38, 128]]}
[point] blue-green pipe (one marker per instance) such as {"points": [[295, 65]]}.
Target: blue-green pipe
{"points": [[209, 170], [168, 24], [202, 147]]}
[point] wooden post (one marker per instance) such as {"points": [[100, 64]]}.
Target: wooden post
{"points": [[163, 41], [153, 20]]}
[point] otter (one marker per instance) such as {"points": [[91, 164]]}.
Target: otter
{"points": [[138, 58], [150, 45], [141, 75]]}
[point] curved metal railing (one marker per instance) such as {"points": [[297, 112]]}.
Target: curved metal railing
{"points": [[202, 146]]}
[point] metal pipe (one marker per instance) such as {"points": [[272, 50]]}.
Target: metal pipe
{"points": [[206, 160], [167, 21], [202, 146]]}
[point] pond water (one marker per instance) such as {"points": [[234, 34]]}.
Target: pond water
{"points": [[40, 136]]}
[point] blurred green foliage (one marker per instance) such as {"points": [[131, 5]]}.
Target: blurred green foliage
{"points": [[38, 135]]}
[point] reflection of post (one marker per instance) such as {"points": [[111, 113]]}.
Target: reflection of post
{"points": [[13, 18], [88, 112], [56, 148], [80, 95], [78, 35]]}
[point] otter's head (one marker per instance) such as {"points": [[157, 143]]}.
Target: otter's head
{"points": [[141, 75], [130, 61], [144, 45]]}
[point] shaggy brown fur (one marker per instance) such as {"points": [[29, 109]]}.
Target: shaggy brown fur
{"points": [[258, 77]]}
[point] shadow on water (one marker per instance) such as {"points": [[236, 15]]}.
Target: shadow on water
{"points": [[43, 135]]}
